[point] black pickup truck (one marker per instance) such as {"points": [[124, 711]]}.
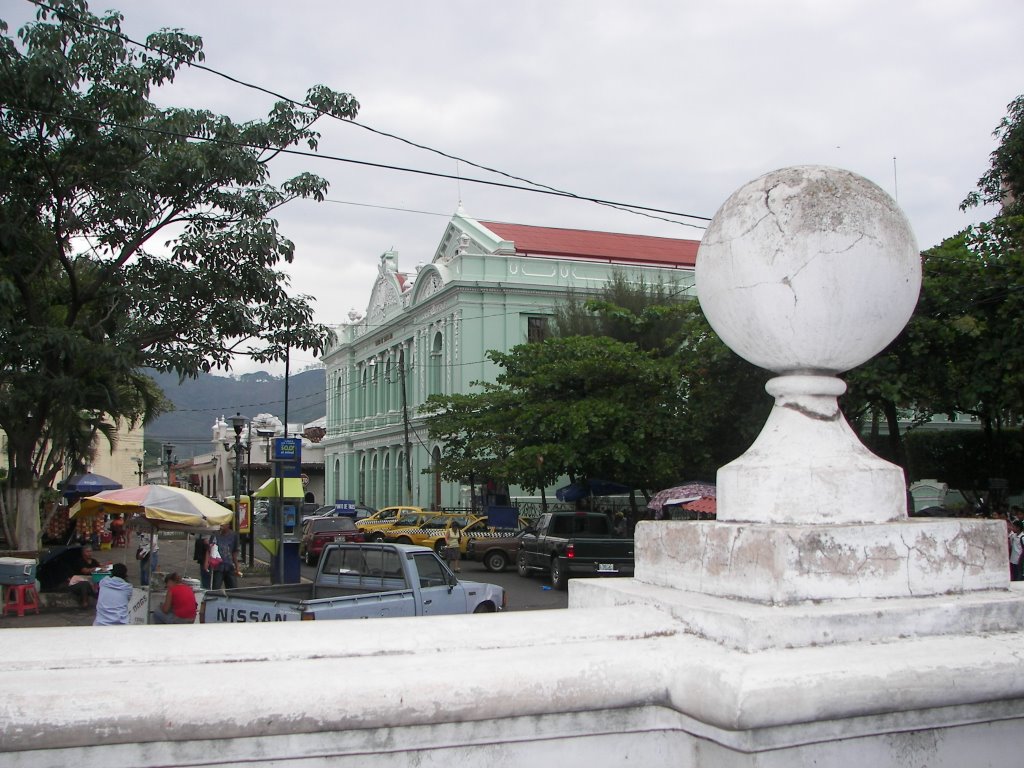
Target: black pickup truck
{"points": [[566, 544]]}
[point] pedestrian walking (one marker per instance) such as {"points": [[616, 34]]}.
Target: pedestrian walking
{"points": [[148, 555], [1016, 547], [222, 558], [453, 547]]}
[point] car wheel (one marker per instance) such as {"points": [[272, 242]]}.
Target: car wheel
{"points": [[559, 577], [484, 608], [403, 540], [495, 562], [377, 537], [439, 545], [522, 567]]}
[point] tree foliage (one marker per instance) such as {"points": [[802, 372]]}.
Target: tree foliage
{"points": [[586, 407], [960, 354], [635, 388], [1003, 182], [651, 315], [131, 236]]}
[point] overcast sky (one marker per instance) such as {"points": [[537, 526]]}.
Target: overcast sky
{"points": [[670, 104]]}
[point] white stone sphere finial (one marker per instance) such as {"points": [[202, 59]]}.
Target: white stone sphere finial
{"points": [[808, 272], [808, 269]]}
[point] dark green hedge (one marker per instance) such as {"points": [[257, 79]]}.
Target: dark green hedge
{"points": [[960, 458]]}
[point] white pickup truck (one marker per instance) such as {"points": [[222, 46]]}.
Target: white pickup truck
{"points": [[359, 581]]}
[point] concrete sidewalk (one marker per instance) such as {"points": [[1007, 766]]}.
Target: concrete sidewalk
{"points": [[60, 609]]}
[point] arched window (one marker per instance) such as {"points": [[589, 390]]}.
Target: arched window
{"points": [[386, 479], [337, 479], [373, 482], [400, 477], [389, 385], [362, 497], [364, 385], [436, 367], [436, 504], [339, 417]]}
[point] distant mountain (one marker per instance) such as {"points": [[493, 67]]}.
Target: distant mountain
{"points": [[200, 402]]}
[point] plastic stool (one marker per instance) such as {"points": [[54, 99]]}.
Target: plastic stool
{"points": [[20, 597]]}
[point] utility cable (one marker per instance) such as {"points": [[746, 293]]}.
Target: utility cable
{"points": [[539, 187]]}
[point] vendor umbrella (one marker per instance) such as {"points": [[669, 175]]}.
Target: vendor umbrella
{"points": [[686, 492], [580, 489], [89, 483], [164, 506]]}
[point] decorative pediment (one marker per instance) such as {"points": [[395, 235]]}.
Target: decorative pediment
{"points": [[429, 281], [467, 236], [386, 297]]}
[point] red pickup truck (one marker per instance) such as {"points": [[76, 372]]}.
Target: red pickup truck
{"points": [[317, 532]]}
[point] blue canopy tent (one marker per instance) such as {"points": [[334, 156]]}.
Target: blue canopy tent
{"points": [[580, 490], [88, 484]]}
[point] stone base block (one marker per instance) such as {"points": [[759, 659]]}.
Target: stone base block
{"points": [[789, 564], [751, 627]]}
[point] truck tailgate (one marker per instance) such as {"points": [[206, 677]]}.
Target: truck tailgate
{"points": [[255, 604], [611, 549], [373, 605]]}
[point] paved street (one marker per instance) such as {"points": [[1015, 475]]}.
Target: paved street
{"points": [[176, 554]]}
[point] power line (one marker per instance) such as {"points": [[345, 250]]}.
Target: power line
{"points": [[536, 186], [628, 207]]}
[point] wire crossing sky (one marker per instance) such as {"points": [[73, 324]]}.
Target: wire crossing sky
{"points": [[671, 106]]}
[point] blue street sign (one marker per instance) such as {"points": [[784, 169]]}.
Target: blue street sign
{"points": [[288, 449]]}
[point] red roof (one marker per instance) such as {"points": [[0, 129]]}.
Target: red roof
{"points": [[600, 246]]}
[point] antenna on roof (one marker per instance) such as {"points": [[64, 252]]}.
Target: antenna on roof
{"points": [[458, 182]]}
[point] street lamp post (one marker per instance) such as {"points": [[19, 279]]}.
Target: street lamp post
{"points": [[168, 450], [238, 422], [138, 462]]}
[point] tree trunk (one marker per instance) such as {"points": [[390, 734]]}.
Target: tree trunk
{"points": [[26, 518], [898, 450]]}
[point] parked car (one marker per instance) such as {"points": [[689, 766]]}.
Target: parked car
{"points": [[431, 531], [373, 527], [329, 510], [495, 549], [317, 532]]}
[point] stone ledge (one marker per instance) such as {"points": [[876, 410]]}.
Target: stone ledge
{"points": [[777, 564], [751, 627]]}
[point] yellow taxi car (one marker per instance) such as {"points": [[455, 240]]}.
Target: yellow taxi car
{"points": [[431, 531], [374, 526]]}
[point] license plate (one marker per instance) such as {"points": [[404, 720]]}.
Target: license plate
{"points": [[606, 568]]}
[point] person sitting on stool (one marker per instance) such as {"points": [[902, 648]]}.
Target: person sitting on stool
{"points": [[179, 606], [115, 594], [80, 583]]}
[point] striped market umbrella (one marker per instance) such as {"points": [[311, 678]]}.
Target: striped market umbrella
{"points": [[163, 506]]}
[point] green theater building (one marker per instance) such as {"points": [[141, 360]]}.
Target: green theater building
{"points": [[489, 286]]}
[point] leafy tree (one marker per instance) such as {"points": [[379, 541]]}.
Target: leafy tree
{"points": [[723, 405], [586, 407], [1003, 183], [130, 236], [652, 316], [726, 405], [475, 433], [960, 352]]}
